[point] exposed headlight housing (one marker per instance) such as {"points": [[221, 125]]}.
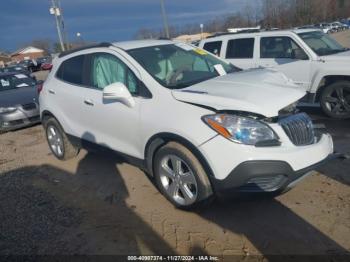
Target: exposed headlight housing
{"points": [[7, 109], [292, 108], [242, 130]]}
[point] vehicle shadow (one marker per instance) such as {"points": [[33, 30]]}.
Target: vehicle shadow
{"points": [[272, 228], [94, 197]]}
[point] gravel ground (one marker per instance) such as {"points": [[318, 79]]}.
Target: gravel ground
{"points": [[343, 38], [96, 204], [31, 219]]}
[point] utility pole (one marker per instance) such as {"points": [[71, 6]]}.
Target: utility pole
{"points": [[63, 25], [165, 19], [56, 11], [201, 26]]}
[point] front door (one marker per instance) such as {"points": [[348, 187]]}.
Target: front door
{"points": [[113, 124]]}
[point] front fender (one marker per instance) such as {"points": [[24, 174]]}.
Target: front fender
{"points": [[322, 74]]}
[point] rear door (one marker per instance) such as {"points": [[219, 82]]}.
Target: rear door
{"points": [[240, 52], [285, 54], [65, 93], [213, 47]]}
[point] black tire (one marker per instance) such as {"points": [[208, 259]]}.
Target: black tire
{"points": [[204, 192], [335, 100], [69, 150]]}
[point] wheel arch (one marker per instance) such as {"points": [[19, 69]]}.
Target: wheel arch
{"points": [[328, 80], [47, 114], [158, 140]]}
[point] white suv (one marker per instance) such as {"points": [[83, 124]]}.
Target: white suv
{"points": [[313, 60], [193, 122]]}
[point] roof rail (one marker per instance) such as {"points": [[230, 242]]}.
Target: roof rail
{"points": [[71, 51], [236, 33]]}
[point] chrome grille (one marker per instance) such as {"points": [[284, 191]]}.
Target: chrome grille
{"points": [[299, 129], [29, 106]]}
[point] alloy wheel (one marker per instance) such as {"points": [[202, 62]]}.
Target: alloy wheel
{"points": [[55, 140], [178, 180], [338, 101]]}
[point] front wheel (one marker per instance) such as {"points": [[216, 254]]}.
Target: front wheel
{"points": [[335, 100], [180, 177]]}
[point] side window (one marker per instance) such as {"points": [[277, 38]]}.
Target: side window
{"points": [[71, 70], [132, 82], [107, 69], [281, 47], [240, 48], [213, 47]]}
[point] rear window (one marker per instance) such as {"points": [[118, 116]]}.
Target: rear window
{"points": [[71, 70], [16, 81], [240, 48], [213, 47]]}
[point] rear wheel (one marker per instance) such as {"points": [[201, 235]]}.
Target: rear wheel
{"points": [[180, 177], [58, 141], [335, 100]]}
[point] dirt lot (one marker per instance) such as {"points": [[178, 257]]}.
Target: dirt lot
{"points": [[96, 204], [343, 38]]}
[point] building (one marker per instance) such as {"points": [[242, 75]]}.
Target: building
{"points": [[4, 59], [29, 52], [192, 38]]}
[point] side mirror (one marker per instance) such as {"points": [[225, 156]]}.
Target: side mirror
{"points": [[300, 55], [118, 92]]}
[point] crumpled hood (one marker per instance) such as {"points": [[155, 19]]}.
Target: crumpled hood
{"points": [[259, 91]]}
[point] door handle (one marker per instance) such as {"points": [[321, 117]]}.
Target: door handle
{"points": [[51, 91], [88, 102]]}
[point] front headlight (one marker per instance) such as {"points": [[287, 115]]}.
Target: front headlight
{"points": [[243, 130], [7, 109]]}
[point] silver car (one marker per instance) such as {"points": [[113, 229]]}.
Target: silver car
{"points": [[18, 101]]}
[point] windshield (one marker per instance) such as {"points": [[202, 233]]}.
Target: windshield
{"points": [[322, 44], [180, 65], [15, 81]]}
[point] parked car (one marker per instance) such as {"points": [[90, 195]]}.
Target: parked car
{"points": [[313, 60], [346, 26], [345, 21], [342, 26], [18, 101], [30, 65], [46, 66], [196, 124], [307, 27], [43, 59], [14, 69], [326, 28], [337, 26]]}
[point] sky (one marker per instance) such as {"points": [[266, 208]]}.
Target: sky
{"points": [[22, 21]]}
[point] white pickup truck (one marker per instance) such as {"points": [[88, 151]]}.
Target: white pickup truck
{"points": [[313, 60]]}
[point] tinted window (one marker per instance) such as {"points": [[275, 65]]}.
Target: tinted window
{"points": [[71, 70], [213, 47], [280, 47], [240, 48], [107, 69]]}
